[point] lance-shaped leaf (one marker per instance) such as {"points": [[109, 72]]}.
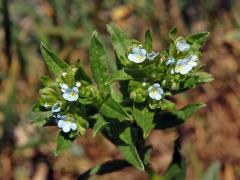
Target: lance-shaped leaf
{"points": [[112, 109], [197, 78], [164, 120], [171, 36], [81, 74], [120, 42], [99, 124], [121, 134], [197, 40], [41, 118], [148, 41], [144, 119], [98, 61], [63, 143], [54, 63], [127, 146], [177, 168], [120, 75]]}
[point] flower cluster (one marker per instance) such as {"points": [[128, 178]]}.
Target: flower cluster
{"points": [[64, 98], [181, 61], [139, 54], [147, 78]]}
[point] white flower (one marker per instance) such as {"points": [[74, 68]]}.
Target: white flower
{"points": [[67, 124], [185, 65], [64, 74], [152, 55], [64, 87], [182, 66], [46, 105], [78, 84], [192, 60], [155, 91], [138, 55], [56, 107], [144, 84], [170, 61], [182, 46], [71, 94]]}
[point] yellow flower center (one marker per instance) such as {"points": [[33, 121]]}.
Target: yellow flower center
{"points": [[139, 57], [154, 91], [72, 94], [180, 68]]}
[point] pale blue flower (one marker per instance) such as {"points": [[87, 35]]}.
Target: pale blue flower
{"points": [[138, 55], [170, 61], [185, 65], [67, 124], [64, 87], [71, 94], [182, 46], [182, 66], [152, 55], [155, 91], [56, 107], [192, 60]]}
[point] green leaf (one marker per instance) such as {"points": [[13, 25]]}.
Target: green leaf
{"points": [[54, 63], [197, 40], [46, 81], [120, 75], [112, 109], [147, 154], [98, 61], [99, 124], [122, 135], [167, 105], [177, 169], [81, 74], [128, 148], [197, 78], [120, 42], [63, 143], [213, 172], [148, 41], [171, 36], [41, 118], [144, 119], [164, 120]]}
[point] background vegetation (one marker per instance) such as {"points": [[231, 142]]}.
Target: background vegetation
{"points": [[211, 139]]}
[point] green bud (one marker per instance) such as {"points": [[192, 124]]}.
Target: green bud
{"points": [[175, 85], [87, 92], [138, 95]]}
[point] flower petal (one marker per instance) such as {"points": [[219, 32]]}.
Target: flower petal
{"points": [[64, 86], [75, 89], [150, 89], [160, 91], [132, 57], [61, 123], [156, 85], [157, 96], [66, 128], [73, 126], [152, 95], [136, 50]]}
